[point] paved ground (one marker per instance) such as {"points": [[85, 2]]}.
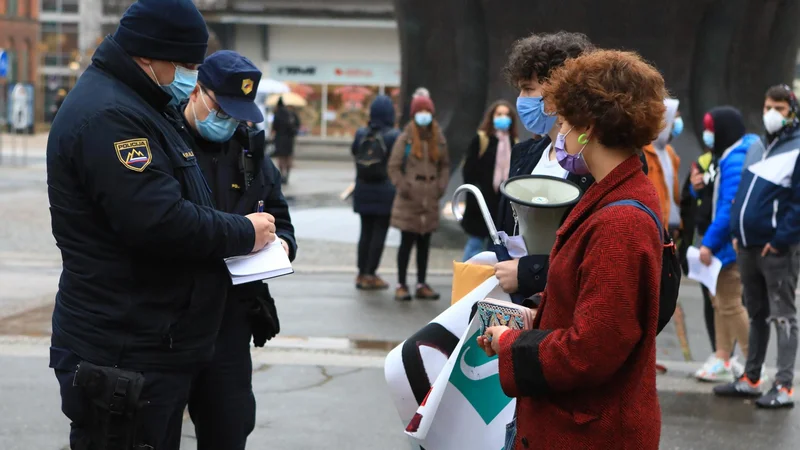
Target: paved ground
{"points": [[326, 368]]}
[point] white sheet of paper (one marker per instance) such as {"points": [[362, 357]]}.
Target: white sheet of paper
{"points": [[269, 262], [707, 275]]}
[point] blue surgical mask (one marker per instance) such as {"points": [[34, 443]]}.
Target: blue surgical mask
{"points": [[531, 112], [502, 123], [423, 118], [708, 139], [212, 128], [182, 86], [677, 127]]}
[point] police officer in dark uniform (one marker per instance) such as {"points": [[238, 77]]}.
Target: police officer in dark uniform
{"points": [[242, 180], [142, 291]]}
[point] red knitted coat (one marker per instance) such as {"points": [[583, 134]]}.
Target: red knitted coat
{"points": [[585, 377]]}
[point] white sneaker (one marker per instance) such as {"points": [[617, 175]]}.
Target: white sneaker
{"points": [[706, 365], [717, 370]]}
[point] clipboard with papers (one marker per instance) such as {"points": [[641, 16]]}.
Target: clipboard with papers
{"points": [[269, 262]]}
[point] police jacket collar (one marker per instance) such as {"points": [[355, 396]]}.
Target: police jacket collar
{"points": [[112, 59]]}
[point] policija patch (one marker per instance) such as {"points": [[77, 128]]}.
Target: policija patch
{"points": [[134, 153]]}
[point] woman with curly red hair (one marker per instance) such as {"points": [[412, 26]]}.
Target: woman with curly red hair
{"points": [[584, 377]]}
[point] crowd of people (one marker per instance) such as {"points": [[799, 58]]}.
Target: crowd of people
{"points": [[603, 120], [155, 175]]}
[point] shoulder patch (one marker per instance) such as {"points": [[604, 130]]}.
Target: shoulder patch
{"points": [[134, 154]]}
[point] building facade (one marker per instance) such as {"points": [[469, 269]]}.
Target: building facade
{"points": [[337, 54], [19, 40]]}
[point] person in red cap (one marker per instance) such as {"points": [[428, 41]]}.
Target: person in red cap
{"points": [[419, 167]]}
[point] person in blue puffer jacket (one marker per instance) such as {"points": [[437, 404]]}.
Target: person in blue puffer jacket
{"points": [[765, 222], [724, 134], [373, 198]]}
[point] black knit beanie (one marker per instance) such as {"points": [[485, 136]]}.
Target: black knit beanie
{"points": [[165, 30]]}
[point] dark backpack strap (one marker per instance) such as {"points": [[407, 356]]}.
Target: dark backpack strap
{"points": [[637, 204]]}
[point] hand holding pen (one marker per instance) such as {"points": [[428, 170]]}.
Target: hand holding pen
{"points": [[264, 226]]}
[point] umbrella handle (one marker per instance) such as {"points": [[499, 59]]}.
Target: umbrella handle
{"points": [[487, 217]]}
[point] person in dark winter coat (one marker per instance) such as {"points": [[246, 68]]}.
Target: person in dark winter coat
{"points": [[372, 199], [285, 127], [584, 376], [486, 166]]}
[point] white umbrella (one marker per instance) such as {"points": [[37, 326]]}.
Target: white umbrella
{"points": [[270, 86]]}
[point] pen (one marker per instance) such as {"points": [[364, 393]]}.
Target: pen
{"points": [[260, 206]]}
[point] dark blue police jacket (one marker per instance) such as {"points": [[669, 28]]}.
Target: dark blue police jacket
{"points": [[143, 282]]}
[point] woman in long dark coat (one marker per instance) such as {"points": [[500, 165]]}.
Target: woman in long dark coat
{"points": [[285, 127]]}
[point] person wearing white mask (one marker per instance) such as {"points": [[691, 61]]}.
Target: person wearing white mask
{"points": [[765, 222], [419, 168]]}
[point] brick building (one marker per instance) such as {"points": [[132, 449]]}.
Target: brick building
{"points": [[19, 38]]}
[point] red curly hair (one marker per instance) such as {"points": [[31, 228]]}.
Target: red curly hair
{"points": [[616, 92]]}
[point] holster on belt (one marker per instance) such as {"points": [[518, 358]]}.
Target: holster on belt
{"points": [[114, 395]]}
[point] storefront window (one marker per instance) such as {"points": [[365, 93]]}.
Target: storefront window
{"points": [[394, 93], [348, 109], [310, 115], [59, 42]]}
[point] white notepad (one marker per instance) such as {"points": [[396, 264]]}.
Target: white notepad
{"points": [[269, 262], [707, 275]]}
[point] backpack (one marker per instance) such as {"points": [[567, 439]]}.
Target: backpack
{"points": [[670, 268], [371, 158]]}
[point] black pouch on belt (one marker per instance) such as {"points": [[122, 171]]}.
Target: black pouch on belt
{"points": [[264, 316], [114, 395]]}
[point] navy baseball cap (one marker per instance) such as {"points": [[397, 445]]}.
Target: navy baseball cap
{"points": [[234, 80]]}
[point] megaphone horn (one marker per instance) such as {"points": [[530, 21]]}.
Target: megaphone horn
{"points": [[487, 217], [539, 203]]}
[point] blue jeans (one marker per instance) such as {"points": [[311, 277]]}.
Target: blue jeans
{"points": [[474, 246]]}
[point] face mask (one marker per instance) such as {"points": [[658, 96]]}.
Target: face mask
{"points": [[708, 139], [531, 111], [574, 164], [181, 87], [773, 121], [677, 127], [213, 128], [502, 123], [423, 119]]}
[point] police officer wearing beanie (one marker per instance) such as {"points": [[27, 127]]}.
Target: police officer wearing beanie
{"points": [[142, 289], [231, 156]]}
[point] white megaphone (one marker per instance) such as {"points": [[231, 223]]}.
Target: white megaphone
{"points": [[539, 203]]}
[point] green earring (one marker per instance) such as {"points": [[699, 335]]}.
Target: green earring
{"points": [[583, 139]]}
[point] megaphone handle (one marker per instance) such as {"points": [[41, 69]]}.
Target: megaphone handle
{"points": [[487, 217]]}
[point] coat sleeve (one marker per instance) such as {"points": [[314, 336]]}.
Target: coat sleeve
{"points": [[718, 233], [395, 167], [357, 141], [471, 170], [620, 262], [275, 204], [788, 231], [143, 202], [444, 167]]}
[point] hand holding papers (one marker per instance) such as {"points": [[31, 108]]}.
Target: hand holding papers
{"points": [[707, 275], [268, 263]]}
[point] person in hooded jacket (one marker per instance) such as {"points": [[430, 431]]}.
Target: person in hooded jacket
{"points": [[419, 168], [724, 132], [486, 166], [663, 165], [372, 199]]}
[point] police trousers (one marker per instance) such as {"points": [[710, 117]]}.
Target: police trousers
{"points": [[221, 403], [158, 421]]}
